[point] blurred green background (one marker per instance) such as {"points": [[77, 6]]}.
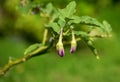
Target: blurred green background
{"points": [[18, 32]]}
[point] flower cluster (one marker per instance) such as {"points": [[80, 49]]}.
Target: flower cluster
{"points": [[60, 47]]}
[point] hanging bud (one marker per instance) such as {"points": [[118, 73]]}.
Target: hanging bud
{"points": [[59, 45], [60, 49], [73, 43]]}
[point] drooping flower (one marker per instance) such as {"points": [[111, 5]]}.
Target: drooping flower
{"points": [[59, 45], [73, 43], [60, 48]]}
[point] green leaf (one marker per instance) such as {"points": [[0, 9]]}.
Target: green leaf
{"points": [[26, 9], [49, 8], [61, 23], [32, 48], [107, 26], [81, 33], [54, 14], [74, 19], [54, 26], [92, 48], [85, 20], [68, 11]]}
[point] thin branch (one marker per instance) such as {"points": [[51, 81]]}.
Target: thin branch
{"points": [[12, 63], [45, 36]]}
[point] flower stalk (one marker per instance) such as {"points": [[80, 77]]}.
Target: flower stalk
{"points": [[59, 45], [73, 43]]}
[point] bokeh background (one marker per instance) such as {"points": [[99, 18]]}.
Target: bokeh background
{"points": [[18, 32]]}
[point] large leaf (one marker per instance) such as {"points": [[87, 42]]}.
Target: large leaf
{"points": [[68, 11], [85, 20]]}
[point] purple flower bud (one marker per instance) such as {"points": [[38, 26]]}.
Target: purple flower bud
{"points": [[73, 49], [61, 52], [60, 48]]}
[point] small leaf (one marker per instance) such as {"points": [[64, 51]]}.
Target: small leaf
{"points": [[107, 26], [32, 48], [28, 7], [97, 33], [54, 26], [61, 23], [25, 9], [55, 14], [49, 8]]}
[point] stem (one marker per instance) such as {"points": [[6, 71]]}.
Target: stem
{"points": [[25, 58], [11, 63], [45, 36], [66, 32], [61, 33], [73, 36]]}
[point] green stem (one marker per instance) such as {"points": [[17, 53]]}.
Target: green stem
{"points": [[73, 36], [12, 63], [45, 36], [61, 34]]}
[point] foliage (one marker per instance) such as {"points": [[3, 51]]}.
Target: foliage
{"points": [[66, 20], [61, 26]]}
